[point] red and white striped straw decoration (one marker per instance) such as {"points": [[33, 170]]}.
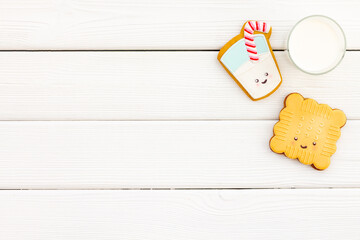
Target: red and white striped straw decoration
{"points": [[249, 29]]}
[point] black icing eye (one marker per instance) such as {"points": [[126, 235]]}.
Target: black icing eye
{"points": [[295, 138], [314, 143], [266, 74], [256, 80]]}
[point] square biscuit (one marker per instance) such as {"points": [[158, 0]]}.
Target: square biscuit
{"points": [[307, 131]]}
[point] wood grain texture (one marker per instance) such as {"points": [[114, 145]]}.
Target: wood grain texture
{"points": [[162, 154], [68, 153], [231, 214], [153, 86], [140, 24]]}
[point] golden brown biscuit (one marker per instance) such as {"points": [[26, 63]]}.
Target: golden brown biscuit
{"points": [[307, 131]]}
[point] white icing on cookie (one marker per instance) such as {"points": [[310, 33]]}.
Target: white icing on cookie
{"points": [[259, 78]]}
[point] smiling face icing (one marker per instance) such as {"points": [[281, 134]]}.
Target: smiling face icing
{"points": [[307, 131], [257, 78], [260, 78]]}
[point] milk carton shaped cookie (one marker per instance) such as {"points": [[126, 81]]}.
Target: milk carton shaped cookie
{"points": [[250, 61]]}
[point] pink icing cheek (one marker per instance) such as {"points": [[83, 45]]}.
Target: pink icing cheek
{"points": [[270, 75], [258, 84]]}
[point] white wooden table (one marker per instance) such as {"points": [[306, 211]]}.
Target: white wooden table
{"points": [[120, 123]]}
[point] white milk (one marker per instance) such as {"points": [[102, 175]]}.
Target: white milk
{"points": [[316, 44]]}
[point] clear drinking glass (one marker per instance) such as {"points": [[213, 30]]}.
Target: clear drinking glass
{"points": [[316, 44]]}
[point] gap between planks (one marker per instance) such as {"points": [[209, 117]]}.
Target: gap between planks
{"points": [[171, 189], [140, 50]]}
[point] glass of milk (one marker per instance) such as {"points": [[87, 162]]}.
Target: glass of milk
{"points": [[316, 44]]}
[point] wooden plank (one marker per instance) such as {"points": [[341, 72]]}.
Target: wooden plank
{"points": [[180, 24], [154, 86], [162, 154], [196, 214]]}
